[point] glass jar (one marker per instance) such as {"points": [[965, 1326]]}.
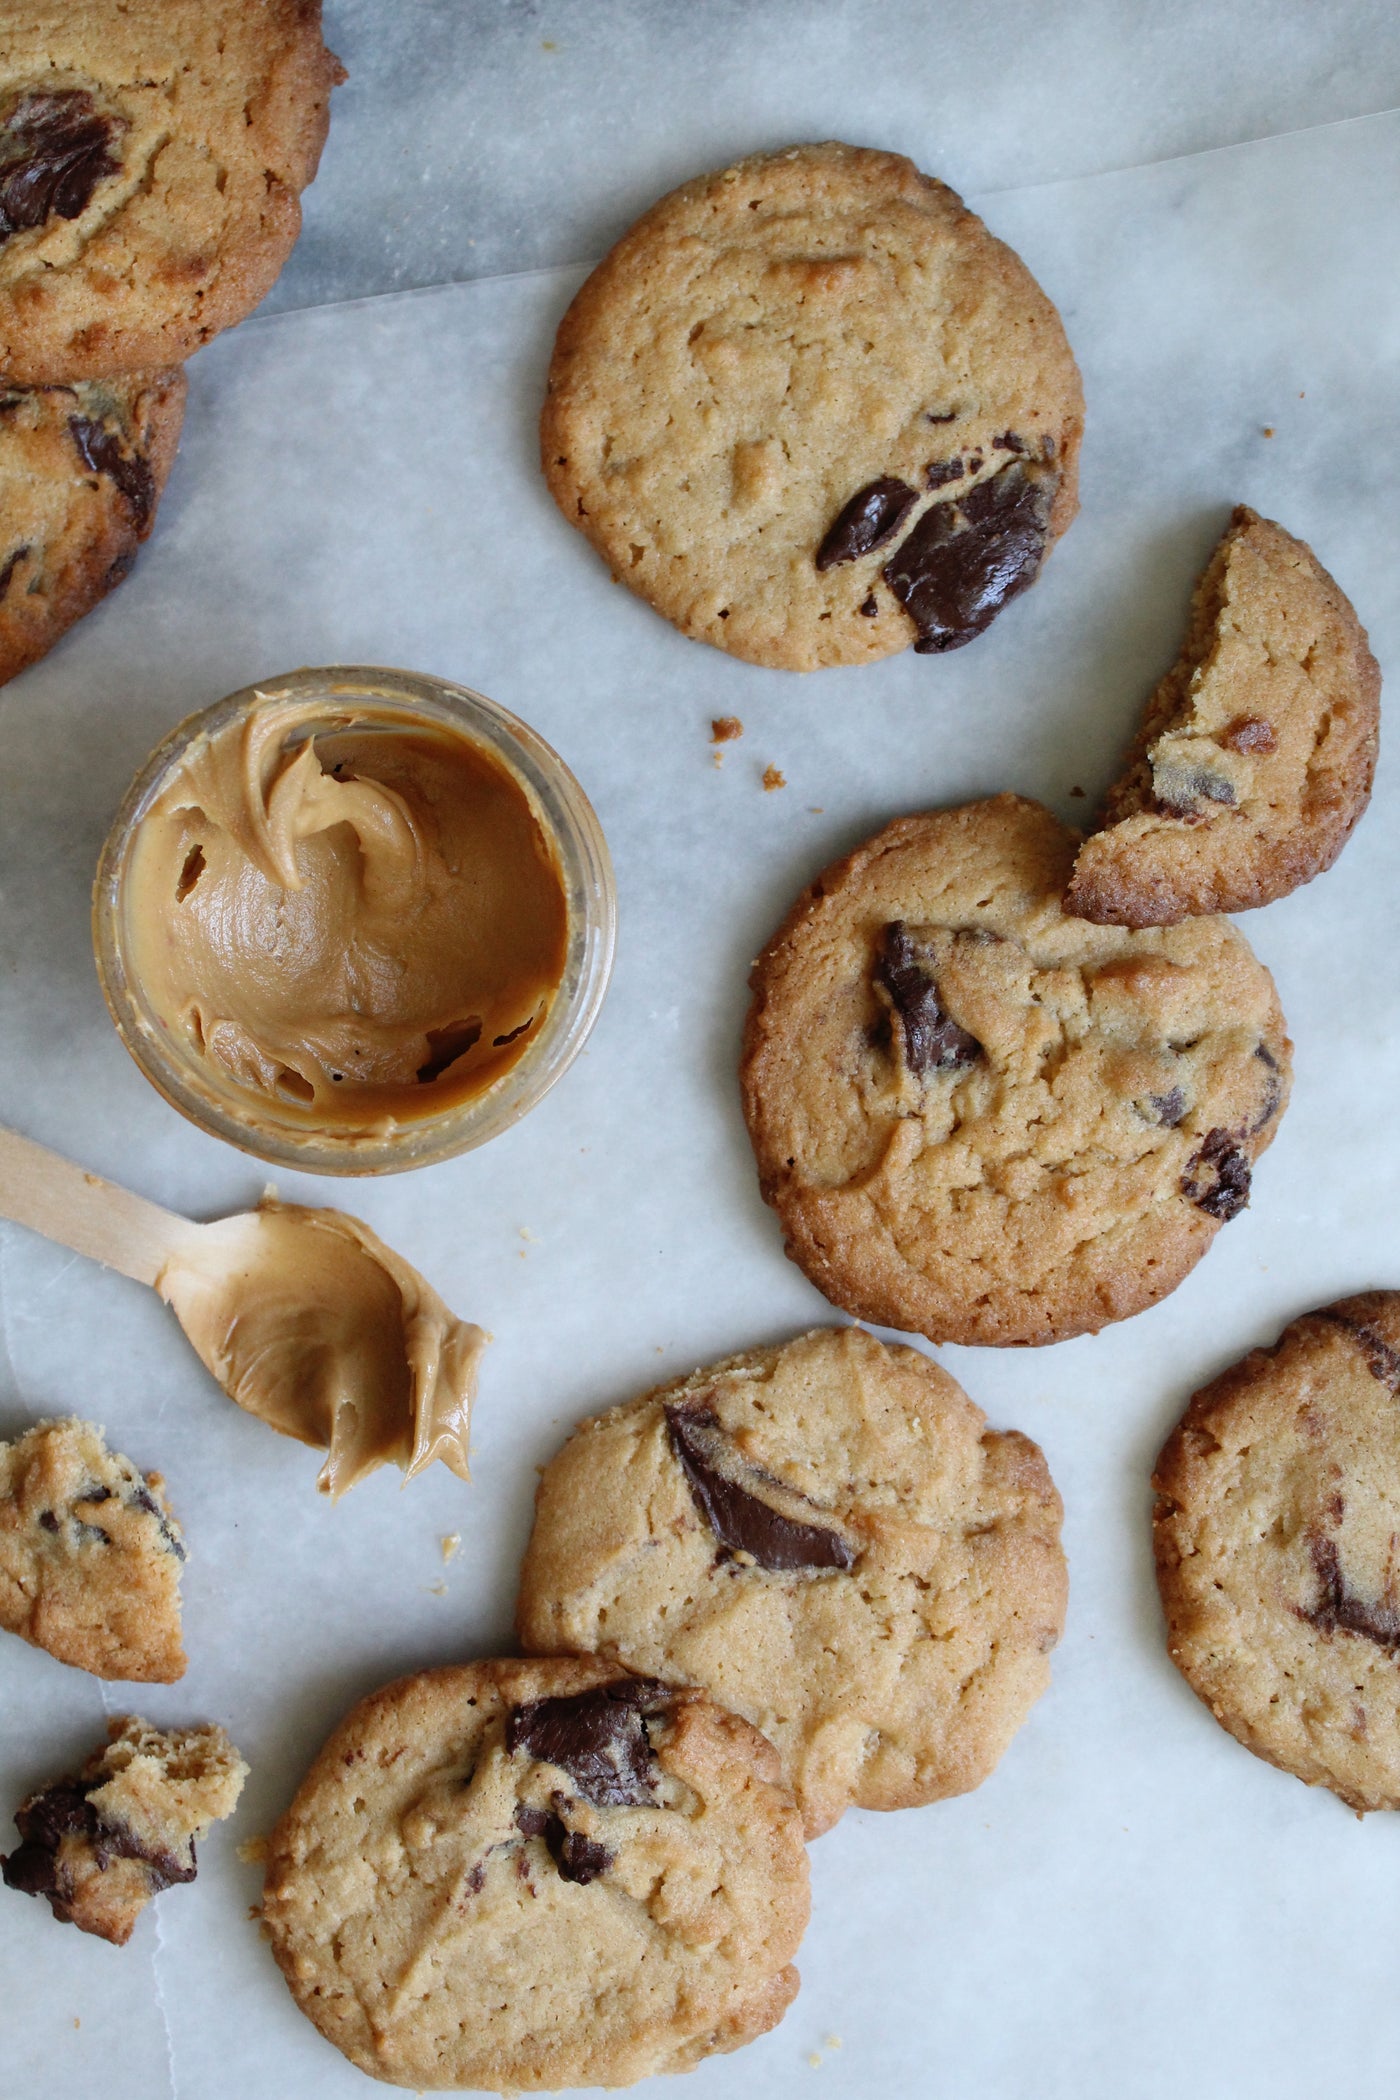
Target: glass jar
{"points": [[283, 1128]]}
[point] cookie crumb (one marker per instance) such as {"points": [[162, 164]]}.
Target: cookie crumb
{"points": [[772, 779], [831, 2041], [724, 729], [451, 1545], [253, 1852], [1077, 793], [816, 809], [1268, 430], [437, 1589]]}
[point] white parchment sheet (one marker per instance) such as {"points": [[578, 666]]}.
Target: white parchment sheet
{"points": [[1131, 1905]]}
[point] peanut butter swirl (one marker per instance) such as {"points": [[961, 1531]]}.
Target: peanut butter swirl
{"points": [[352, 919], [310, 1322]]}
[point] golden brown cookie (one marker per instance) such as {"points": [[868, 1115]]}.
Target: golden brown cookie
{"points": [[152, 155], [101, 1845], [82, 469], [1277, 1533], [1255, 758], [983, 1120], [827, 1538], [516, 1876], [90, 1555], [813, 412]]}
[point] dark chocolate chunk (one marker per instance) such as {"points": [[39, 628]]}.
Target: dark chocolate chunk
{"points": [[1340, 1610], [8, 572], [476, 1880], [43, 1822], [54, 150], [873, 515], [1009, 442], [49, 1520], [164, 1869], [531, 1822], [740, 1519], [1217, 1177], [100, 449], [597, 1737], [1273, 1088], [869, 609], [578, 1858], [1168, 1108], [948, 415], [940, 471], [1185, 788], [964, 561], [1250, 733], [1382, 1360], [931, 1041]]}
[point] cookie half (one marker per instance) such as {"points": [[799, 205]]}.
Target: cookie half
{"points": [[1255, 759], [517, 1876], [101, 1845], [82, 469], [152, 156], [1276, 1529], [90, 1556], [985, 1121], [813, 412], [827, 1538]]}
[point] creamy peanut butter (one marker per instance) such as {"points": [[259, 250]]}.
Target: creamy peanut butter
{"points": [[310, 1322], [357, 920]]}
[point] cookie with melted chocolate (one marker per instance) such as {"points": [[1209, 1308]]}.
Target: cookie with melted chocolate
{"points": [[1255, 758], [828, 1538], [813, 411], [100, 1845], [82, 468], [984, 1120], [152, 157], [1277, 1517], [517, 1876]]}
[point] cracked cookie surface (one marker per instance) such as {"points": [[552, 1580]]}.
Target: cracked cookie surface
{"points": [[982, 1120], [813, 412], [827, 1538], [1276, 1530], [100, 1845], [90, 1555], [1255, 758], [82, 469], [152, 157], [517, 1876]]}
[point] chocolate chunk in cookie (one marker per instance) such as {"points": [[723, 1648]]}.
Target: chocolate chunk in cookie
{"points": [[740, 399], [82, 468], [986, 1121], [1278, 1512], [90, 1555], [151, 164], [1255, 758], [889, 1651], [526, 1875], [101, 1845]]}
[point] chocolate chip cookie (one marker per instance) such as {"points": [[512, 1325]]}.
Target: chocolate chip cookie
{"points": [[101, 1845], [813, 412], [90, 1555], [152, 157], [82, 468], [517, 1876], [986, 1121], [829, 1539], [1255, 758], [1277, 1533]]}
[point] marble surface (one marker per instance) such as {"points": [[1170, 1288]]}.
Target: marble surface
{"points": [[1131, 1904]]}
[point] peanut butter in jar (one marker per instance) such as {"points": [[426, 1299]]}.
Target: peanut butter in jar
{"points": [[354, 920]]}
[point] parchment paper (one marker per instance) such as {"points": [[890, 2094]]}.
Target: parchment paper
{"points": [[1131, 1904]]}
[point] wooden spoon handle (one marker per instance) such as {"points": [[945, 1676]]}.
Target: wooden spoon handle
{"points": [[46, 1192]]}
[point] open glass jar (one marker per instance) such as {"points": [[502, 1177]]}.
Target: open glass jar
{"points": [[354, 920]]}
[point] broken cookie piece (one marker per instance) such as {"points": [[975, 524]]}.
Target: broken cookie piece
{"points": [[101, 1845], [90, 1555], [1255, 758]]}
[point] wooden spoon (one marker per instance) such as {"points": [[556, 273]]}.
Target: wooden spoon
{"points": [[304, 1316]]}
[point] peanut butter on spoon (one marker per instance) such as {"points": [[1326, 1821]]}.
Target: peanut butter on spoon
{"points": [[304, 1316]]}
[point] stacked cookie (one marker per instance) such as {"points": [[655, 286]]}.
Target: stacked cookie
{"points": [[151, 161]]}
